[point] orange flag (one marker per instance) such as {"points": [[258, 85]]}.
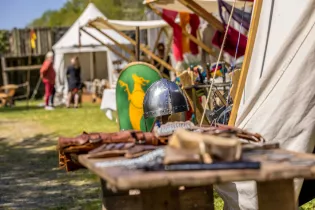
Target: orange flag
{"points": [[184, 21]]}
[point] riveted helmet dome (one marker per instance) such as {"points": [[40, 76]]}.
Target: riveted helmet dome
{"points": [[164, 97]]}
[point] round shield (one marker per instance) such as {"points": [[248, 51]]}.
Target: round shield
{"points": [[132, 84]]}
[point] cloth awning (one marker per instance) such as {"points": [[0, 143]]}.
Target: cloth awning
{"points": [[210, 5], [123, 25]]}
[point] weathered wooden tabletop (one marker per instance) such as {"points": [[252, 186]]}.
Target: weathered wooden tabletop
{"points": [[275, 165]]}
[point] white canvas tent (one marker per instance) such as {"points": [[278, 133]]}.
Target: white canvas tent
{"points": [[89, 50], [279, 99], [129, 25]]}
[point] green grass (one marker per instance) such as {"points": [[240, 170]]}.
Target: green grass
{"points": [[72, 122], [62, 121]]}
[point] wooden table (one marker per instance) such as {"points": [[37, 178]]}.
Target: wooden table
{"points": [[6, 94], [164, 190]]}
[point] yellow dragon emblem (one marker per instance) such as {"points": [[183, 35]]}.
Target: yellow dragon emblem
{"points": [[136, 98]]}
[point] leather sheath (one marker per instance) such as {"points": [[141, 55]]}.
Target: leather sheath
{"points": [[129, 136], [128, 143]]}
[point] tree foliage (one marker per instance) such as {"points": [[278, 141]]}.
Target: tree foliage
{"points": [[71, 10], [4, 41]]}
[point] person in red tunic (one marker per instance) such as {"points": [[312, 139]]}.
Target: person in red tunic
{"points": [[48, 75]]}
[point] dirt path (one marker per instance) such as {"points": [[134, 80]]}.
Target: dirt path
{"points": [[29, 174]]}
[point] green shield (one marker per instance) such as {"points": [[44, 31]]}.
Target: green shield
{"points": [[131, 87]]}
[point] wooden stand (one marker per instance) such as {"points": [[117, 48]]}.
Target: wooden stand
{"points": [[106, 45], [164, 198], [133, 42]]}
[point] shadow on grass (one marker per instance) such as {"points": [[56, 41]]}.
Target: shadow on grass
{"points": [[30, 178], [19, 108]]}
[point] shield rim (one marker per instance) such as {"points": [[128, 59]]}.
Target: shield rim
{"points": [[125, 68]]}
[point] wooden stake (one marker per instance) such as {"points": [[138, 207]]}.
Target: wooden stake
{"points": [[113, 40], [133, 42], [4, 73], [108, 46], [247, 59], [138, 52], [191, 37]]}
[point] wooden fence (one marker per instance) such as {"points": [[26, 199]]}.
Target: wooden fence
{"points": [[46, 37]]}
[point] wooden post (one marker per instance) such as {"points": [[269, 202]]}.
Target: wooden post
{"points": [[92, 66], [167, 50], [4, 73], [247, 58], [133, 42], [157, 39], [38, 49], [138, 52], [113, 40], [49, 39], [108, 46], [191, 37], [271, 195], [28, 79]]}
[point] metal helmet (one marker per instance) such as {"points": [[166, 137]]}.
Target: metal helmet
{"points": [[164, 97]]}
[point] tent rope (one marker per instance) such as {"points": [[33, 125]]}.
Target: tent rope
{"points": [[217, 64], [234, 63]]}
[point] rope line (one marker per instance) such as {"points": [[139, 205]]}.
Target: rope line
{"points": [[217, 64], [236, 51]]}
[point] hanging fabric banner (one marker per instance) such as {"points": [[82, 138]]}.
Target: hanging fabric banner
{"points": [[235, 41], [240, 16], [184, 21], [194, 22], [169, 17]]}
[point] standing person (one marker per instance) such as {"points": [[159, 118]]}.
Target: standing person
{"points": [[74, 82], [51, 100], [48, 75], [161, 54]]}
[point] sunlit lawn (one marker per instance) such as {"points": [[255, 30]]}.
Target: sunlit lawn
{"points": [[62, 121], [72, 122]]}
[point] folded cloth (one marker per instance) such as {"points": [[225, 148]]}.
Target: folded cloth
{"points": [[185, 146]]}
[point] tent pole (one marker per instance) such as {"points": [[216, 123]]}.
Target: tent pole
{"points": [[168, 49], [161, 30], [157, 39], [138, 52], [92, 66], [113, 40], [200, 11], [248, 55], [133, 42], [106, 45], [166, 32], [191, 37]]}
